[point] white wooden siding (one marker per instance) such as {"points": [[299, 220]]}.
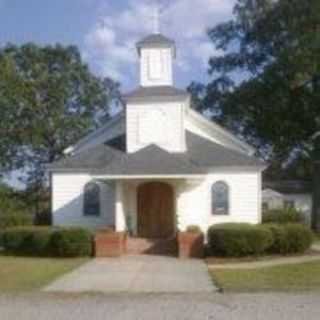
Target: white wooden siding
{"points": [[67, 202], [194, 200], [156, 67], [144, 128]]}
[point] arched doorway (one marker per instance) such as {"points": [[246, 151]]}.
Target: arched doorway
{"points": [[155, 210]]}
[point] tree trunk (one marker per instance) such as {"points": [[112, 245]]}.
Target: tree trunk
{"points": [[316, 185]]}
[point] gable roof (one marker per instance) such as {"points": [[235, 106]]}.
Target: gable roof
{"points": [[289, 186], [220, 132], [156, 93], [118, 122], [271, 194], [202, 157], [116, 126]]}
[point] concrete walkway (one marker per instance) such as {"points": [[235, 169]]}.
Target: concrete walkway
{"points": [[266, 263], [137, 274], [316, 246]]}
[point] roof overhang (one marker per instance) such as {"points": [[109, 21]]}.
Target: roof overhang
{"points": [[156, 41], [150, 177], [213, 126]]}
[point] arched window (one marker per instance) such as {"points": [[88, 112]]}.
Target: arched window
{"points": [[220, 198], [91, 199]]}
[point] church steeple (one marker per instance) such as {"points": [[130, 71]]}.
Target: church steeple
{"points": [[155, 111], [156, 54]]}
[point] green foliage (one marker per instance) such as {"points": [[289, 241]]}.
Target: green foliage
{"points": [[290, 238], [285, 215], [48, 100], [275, 45], [194, 229], [300, 238], [44, 241], [27, 240], [280, 243], [11, 201], [238, 239], [72, 242], [15, 220], [13, 211]]}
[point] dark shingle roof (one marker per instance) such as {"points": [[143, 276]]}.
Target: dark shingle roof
{"points": [[289, 186], [156, 92], [156, 41], [202, 156]]}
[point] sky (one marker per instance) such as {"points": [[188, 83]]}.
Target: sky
{"points": [[106, 31]]}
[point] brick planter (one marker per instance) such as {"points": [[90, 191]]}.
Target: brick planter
{"points": [[191, 245], [110, 244]]}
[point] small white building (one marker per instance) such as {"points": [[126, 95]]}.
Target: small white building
{"points": [[158, 166], [288, 193]]}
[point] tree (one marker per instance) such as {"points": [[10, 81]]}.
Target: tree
{"points": [[265, 85], [48, 100]]}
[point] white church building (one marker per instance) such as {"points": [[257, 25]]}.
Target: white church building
{"points": [[158, 166]]}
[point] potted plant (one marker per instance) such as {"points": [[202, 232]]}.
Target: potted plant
{"points": [[109, 243], [191, 243]]}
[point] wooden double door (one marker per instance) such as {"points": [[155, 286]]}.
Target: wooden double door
{"points": [[155, 210]]}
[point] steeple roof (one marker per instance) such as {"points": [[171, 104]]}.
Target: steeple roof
{"points": [[156, 40], [156, 93]]}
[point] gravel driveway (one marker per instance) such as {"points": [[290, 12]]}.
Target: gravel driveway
{"points": [[161, 306]]}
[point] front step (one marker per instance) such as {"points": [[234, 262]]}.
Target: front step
{"points": [[167, 247]]}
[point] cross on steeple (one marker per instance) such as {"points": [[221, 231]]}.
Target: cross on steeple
{"points": [[156, 17]]}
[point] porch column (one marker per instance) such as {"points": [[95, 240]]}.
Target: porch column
{"points": [[120, 219]]}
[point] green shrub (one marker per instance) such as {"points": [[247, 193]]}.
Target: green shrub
{"points": [[280, 238], [45, 241], [71, 242], [238, 239], [285, 215], [14, 220], [194, 229], [27, 240], [300, 238], [290, 238]]}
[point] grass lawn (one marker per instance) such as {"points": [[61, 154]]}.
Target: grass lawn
{"points": [[27, 274], [298, 277]]}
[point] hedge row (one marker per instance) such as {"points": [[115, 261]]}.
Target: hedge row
{"points": [[284, 215], [43, 241], [290, 238], [238, 239]]}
